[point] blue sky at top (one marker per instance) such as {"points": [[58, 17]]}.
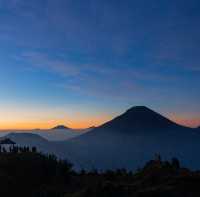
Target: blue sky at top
{"points": [[99, 58]]}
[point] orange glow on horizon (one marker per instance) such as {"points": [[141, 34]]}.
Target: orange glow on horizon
{"points": [[13, 117], [79, 124], [192, 122], [80, 121]]}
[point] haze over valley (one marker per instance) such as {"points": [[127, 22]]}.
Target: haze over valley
{"points": [[139, 132]]}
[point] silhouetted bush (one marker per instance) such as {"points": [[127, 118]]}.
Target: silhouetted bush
{"points": [[175, 163], [25, 172]]}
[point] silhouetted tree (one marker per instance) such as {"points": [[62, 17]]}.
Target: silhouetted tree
{"points": [[34, 149], [82, 172], [175, 163], [158, 157], [4, 150]]}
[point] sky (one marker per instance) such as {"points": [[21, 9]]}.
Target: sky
{"points": [[81, 63]]}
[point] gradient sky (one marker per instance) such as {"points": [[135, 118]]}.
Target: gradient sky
{"points": [[80, 63]]}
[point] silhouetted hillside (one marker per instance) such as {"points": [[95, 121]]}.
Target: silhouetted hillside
{"points": [[25, 172]]}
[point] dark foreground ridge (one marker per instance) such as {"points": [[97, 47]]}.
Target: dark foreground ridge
{"points": [[25, 172]]}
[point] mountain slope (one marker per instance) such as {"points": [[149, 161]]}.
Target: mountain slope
{"points": [[140, 117], [131, 139]]}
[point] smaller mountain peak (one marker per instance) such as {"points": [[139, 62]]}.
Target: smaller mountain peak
{"points": [[60, 127]]}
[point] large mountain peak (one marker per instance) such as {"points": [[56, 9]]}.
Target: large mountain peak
{"points": [[140, 117]]}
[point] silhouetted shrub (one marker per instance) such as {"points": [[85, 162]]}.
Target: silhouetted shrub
{"points": [[25, 172], [175, 163]]}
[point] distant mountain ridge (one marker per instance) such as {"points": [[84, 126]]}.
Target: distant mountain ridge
{"points": [[26, 138], [32, 140], [49, 134]]}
